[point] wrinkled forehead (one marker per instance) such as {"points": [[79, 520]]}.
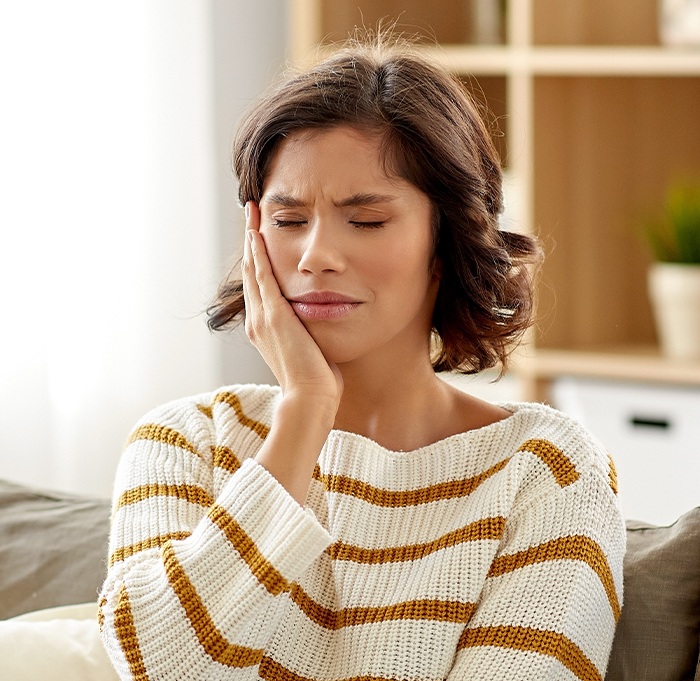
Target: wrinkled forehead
{"points": [[391, 157]]}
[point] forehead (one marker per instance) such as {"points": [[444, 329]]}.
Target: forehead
{"points": [[340, 154]]}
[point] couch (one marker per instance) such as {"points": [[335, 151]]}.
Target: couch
{"points": [[53, 548]]}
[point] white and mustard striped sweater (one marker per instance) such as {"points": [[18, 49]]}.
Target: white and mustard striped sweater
{"points": [[495, 554]]}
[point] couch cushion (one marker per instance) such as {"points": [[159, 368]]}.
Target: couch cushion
{"points": [[53, 548], [657, 636], [57, 644]]}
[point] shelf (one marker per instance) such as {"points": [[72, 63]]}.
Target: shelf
{"points": [[625, 364], [572, 61], [473, 60], [621, 61], [560, 61]]}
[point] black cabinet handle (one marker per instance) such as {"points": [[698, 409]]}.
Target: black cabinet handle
{"points": [[658, 423]]}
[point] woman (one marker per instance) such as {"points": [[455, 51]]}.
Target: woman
{"points": [[365, 520]]}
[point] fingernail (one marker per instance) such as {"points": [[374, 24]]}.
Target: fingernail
{"points": [[247, 211]]}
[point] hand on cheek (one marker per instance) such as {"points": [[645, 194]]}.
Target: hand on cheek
{"points": [[274, 329], [311, 388]]}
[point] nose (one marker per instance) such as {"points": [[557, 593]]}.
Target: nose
{"points": [[322, 251]]}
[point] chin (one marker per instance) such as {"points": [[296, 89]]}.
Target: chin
{"points": [[336, 353], [337, 348]]}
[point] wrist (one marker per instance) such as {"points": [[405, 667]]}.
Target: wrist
{"points": [[299, 430], [315, 411]]}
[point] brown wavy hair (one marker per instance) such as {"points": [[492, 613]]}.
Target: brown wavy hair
{"points": [[434, 137]]}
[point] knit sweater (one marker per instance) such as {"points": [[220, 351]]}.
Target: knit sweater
{"points": [[495, 554]]}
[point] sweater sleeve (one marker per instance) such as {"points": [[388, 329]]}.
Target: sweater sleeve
{"points": [[553, 593], [196, 582]]}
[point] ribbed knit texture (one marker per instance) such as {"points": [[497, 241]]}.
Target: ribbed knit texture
{"points": [[492, 555]]}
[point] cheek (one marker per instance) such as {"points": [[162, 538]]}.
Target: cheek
{"points": [[279, 254], [405, 260]]}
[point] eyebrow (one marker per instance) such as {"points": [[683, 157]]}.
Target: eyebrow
{"points": [[289, 201]]}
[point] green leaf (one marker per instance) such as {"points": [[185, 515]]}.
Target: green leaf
{"points": [[675, 237]]}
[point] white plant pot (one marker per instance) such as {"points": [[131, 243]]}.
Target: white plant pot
{"points": [[674, 290], [679, 22]]}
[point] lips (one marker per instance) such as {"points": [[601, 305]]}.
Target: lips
{"points": [[323, 305]]}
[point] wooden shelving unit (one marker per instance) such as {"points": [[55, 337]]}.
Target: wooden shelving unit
{"points": [[597, 117]]}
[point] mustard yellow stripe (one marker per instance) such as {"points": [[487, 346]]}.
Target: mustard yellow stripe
{"points": [[451, 489], [100, 612], [273, 671], [224, 458], [206, 410], [232, 400], [128, 639], [612, 474], [561, 467], [208, 635], [162, 434], [559, 464], [577, 547], [528, 639], [425, 609], [264, 571], [150, 543], [192, 493], [484, 529]]}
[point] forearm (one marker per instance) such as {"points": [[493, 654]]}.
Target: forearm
{"points": [[291, 449], [210, 582], [198, 547]]}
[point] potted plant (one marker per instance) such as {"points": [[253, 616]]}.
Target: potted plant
{"points": [[674, 277]]}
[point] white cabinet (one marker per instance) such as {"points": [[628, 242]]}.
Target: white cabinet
{"points": [[653, 435]]}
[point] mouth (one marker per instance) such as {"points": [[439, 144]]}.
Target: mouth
{"points": [[323, 305]]}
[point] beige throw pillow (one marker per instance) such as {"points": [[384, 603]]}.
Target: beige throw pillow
{"points": [[58, 644]]}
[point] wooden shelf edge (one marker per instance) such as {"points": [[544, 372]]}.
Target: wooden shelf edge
{"points": [[640, 365], [503, 60], [567, 61], [614, 61]]}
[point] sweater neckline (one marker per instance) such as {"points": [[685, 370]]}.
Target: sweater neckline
{"points": [[337, 435]]}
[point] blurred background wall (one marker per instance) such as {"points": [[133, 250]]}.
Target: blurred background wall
{"points": [[118, 217]]}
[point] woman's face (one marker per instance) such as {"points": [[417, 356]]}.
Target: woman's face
{"points": [[351, 247]]}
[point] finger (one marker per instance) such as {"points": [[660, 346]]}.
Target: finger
{"points": [[252, 216], [251, 291], [268, 286], [267, 283]]}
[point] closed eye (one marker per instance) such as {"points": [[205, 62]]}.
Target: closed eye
{"points": [[367, 225], [288, 223]]}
